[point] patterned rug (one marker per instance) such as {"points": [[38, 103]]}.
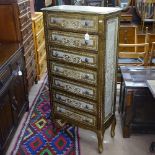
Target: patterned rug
{"points": [[39, 135]]}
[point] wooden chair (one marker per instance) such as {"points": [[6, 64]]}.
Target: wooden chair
{"points": [[139, 56], [135, 57]]}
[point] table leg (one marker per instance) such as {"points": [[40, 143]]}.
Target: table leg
{"points": [[127, 114]]}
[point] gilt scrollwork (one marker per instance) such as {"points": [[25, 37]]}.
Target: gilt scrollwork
{"points": [[74, 102], [76, 23], [76, 116], [74, 88], [72, 40]]}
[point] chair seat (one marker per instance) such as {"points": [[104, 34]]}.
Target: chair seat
{"points": [[129, 60], [149, 20]]}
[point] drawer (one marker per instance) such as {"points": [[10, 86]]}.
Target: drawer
{"points": [[80, 58], [74, 73], [24, 6], [42, 65], [29, 54], [38, 24], [75, 115], [69, 39], [30, 66], [27, 31], [40, 38], [28, 43], [71, 101], [73, 22], [75, 88], [25, 19], [41, 51], [4, 76]]}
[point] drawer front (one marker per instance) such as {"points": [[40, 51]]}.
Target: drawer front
{"points": [[24, 6], [74, 57], [69, 39], [28, 43], [27, 31], [29, 54], [25, 19], [78, 89], [39, 24], [74, 115], [41, 51], [74, 73], [4, 76], [40, 39], [73, 22], [74, 102]]}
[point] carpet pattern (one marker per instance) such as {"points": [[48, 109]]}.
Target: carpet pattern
{"points": [[39, 135]]}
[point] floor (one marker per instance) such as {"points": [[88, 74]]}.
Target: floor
{"points": [[135, 145]]}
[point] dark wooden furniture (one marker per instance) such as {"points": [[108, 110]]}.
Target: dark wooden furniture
{"points": [[16, 26], [151, 86], [81, 43], [146, 11], [127, 9], [136, 104], [13, 91]]}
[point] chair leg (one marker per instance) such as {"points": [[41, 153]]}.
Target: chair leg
{"points": [[152, 147], [142, 26]]}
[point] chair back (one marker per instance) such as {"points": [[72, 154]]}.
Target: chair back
{"points": [[138, 57]]}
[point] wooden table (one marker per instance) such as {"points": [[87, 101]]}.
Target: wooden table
{"points": [[136, 104]]}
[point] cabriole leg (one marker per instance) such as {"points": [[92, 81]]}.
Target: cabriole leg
{"points": [[100, 141]]}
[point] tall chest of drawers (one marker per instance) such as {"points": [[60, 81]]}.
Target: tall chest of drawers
{"points": [[39, 40], [27, 39], [19, 26], [81, 45]]}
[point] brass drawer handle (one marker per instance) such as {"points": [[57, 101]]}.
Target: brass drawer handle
{"points": [[86, 60], [86, 42], [86, 23], [57, 84], [57, 70], [86, 92], [56, 54], [59, 110], [54, 21], [59, 97], [55, 38], [86, 120], [86, 107], [86, 76]]}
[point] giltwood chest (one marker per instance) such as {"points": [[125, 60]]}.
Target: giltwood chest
{"points": [[81, 44]]}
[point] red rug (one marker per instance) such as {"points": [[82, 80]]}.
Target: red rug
{"points": [[39, 136]]}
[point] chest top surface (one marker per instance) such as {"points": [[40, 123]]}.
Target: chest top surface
{"points": [[83, 9], [137, 76], [7, 51]]}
